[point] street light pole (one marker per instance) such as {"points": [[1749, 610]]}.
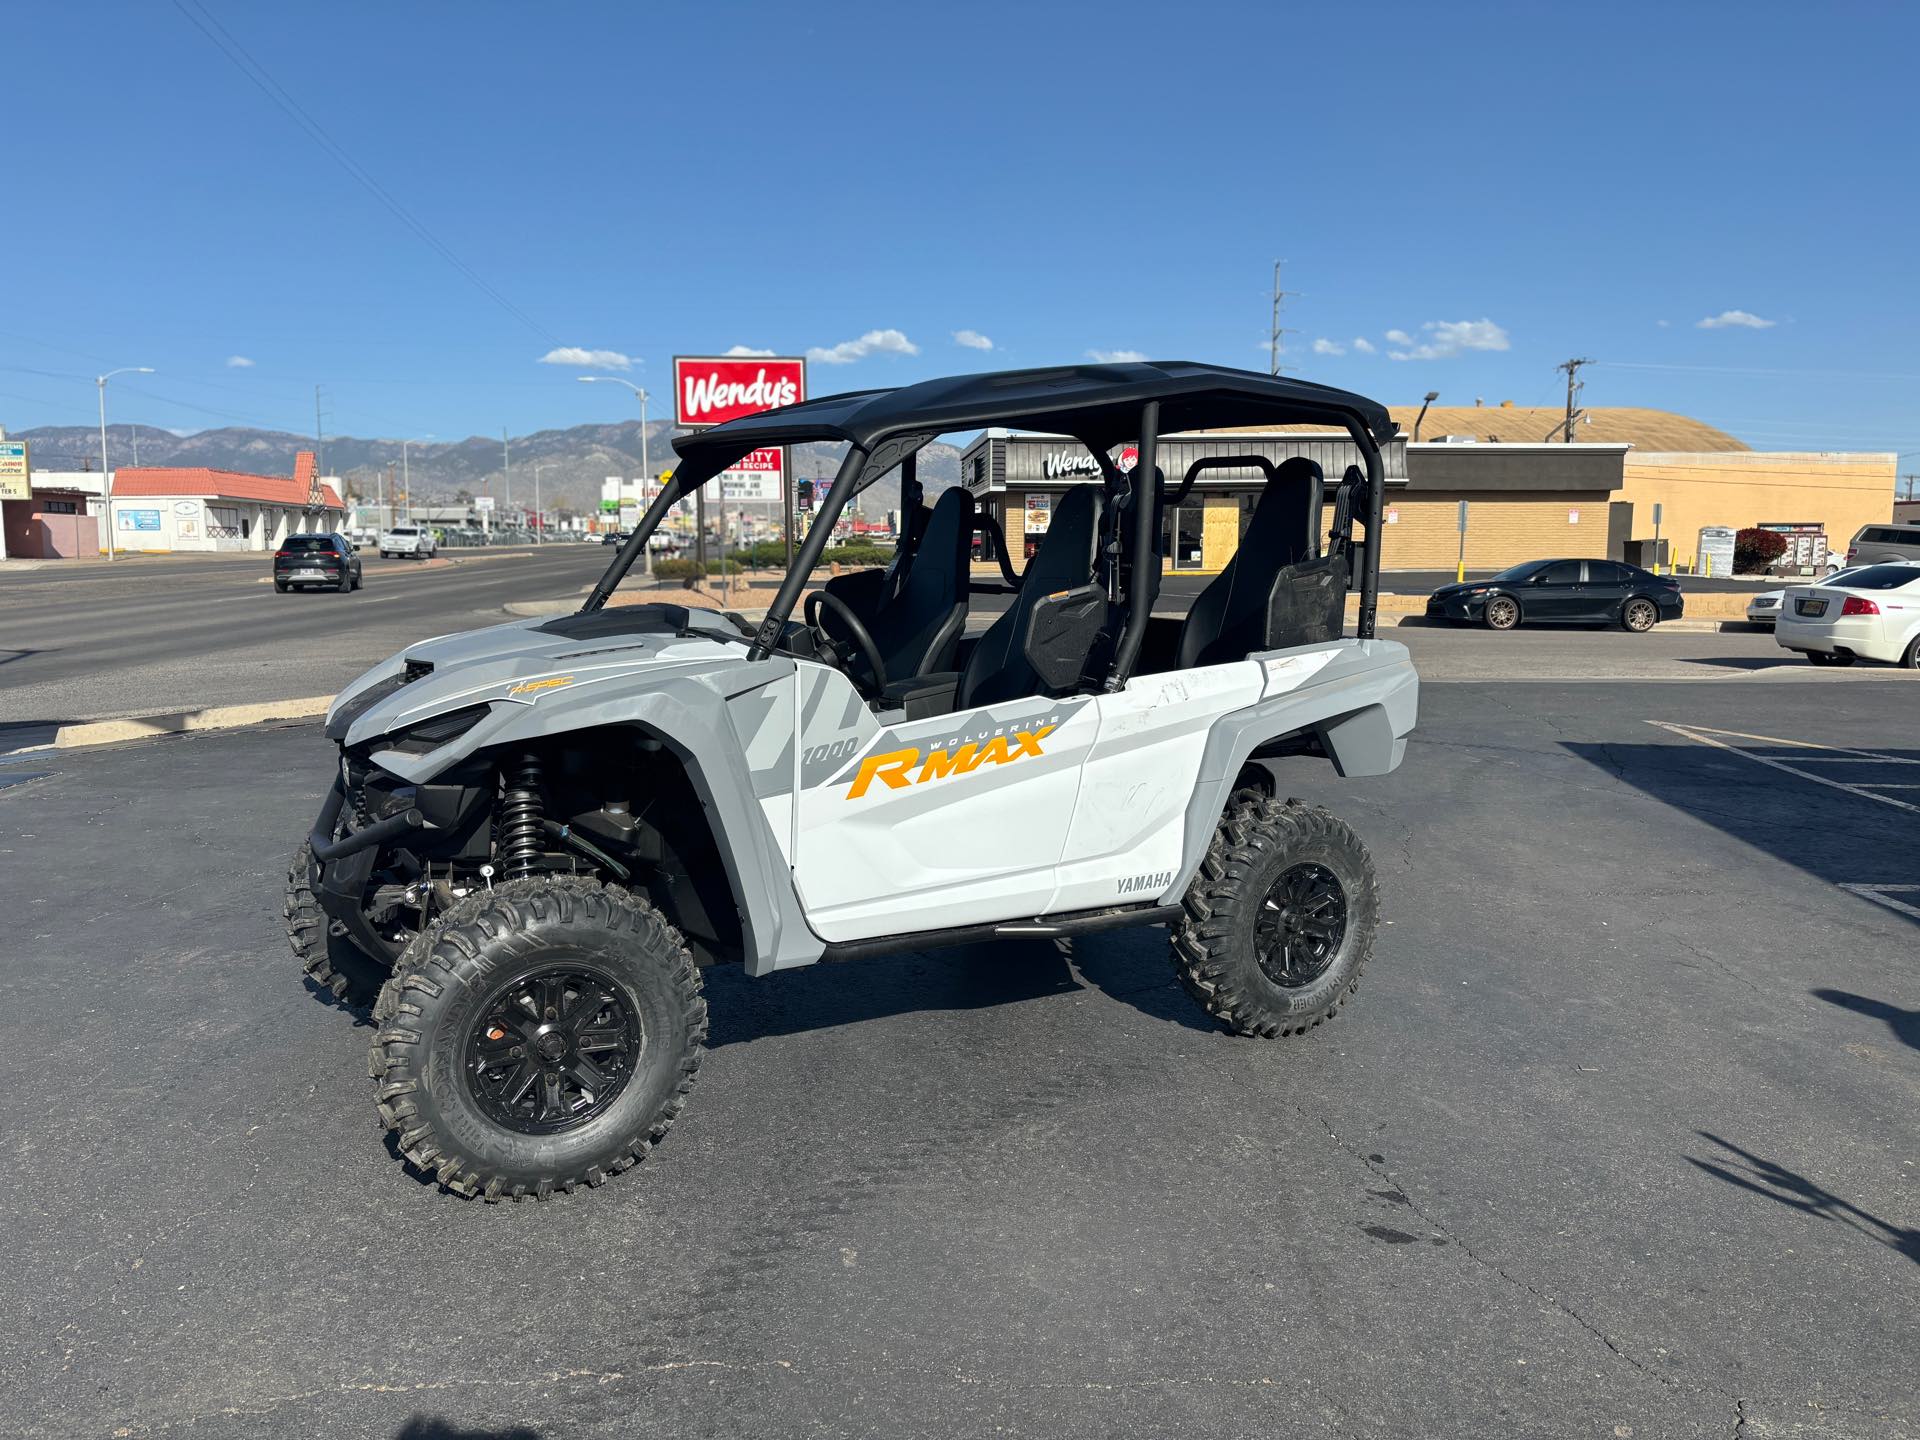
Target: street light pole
{"points": [[646, 467], [106, 477], [539, 523], [406, 475]]}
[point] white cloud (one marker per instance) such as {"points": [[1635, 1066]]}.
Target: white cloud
{"points": [[593, 359], [1735, 317], [745, 352], [1328, 347], [1116, 357], [239, 362], [1447, 338], [874, 342], [972, 339], [1663, 324], [1362, 345]]}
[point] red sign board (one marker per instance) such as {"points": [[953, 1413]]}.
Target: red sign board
{"points": [[713, 389]]}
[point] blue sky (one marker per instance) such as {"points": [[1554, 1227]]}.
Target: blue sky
{"points": [[1500, 187]]}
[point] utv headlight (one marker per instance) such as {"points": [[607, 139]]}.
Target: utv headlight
{"points": [[432, 734]]}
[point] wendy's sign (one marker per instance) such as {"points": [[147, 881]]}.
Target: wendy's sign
{"points": [[713, 389]]}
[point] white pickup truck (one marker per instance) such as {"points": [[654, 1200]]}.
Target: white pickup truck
{"points": [[407, 540]]}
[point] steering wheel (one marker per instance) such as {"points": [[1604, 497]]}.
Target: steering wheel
{"points": [[868, 650]]}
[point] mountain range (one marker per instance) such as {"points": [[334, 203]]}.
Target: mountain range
{"points": [[572, 463]]}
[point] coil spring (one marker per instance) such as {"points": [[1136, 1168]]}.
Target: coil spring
{"points": [[521, 817], [357, 793]]}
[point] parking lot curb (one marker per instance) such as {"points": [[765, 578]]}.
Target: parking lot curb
{"points": [[182, 722]]}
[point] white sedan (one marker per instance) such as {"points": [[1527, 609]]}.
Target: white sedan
{"points": [[1764, 608], [1872, 613]]}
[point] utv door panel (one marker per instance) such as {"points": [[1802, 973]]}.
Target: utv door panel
{"points": [[954, 820], [1128, 830]]}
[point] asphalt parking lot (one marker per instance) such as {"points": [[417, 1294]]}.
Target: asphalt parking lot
{"points": [[1618, 1139]]}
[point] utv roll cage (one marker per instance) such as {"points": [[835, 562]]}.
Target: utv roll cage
{"points": [[1101, 406]]}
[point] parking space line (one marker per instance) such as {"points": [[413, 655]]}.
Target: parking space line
{"points": [[1883, 895], [1704, 736], [1798, 744]]}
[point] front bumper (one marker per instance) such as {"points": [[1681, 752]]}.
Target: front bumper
{"points": [[1456, 607]]}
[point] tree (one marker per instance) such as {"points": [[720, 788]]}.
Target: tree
{"points": [[1755, 550]]}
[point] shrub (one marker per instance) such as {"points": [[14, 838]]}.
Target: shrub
{"points": [[1755, 550], [857, 555]]}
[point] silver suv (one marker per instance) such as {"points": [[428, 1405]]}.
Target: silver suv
{"points": [[1877, 544]]}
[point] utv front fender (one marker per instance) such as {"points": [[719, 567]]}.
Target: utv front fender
{"points": [[688, 715]]}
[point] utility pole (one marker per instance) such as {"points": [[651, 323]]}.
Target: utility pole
{"points": [[1275, 337], [506, 466], [319, 440], [1574, 387]]}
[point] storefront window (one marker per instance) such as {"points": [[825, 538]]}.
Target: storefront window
{"points": [[1187, 530]]}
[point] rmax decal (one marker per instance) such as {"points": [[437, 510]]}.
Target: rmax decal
{"points": [[898, 769]]}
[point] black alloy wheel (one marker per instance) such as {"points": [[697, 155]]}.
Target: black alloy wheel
{"points": [[537, 1036], [1300, 925], [1279, 922], [552, 1049]]}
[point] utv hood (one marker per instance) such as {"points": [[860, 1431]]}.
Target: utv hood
{"points": [[552, 662]]}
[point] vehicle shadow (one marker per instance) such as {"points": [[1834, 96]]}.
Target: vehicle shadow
{"points": [[1861, 843], [820, 997], [1747, 1171], [432, 1427], [1905, 1024], [1748, 662]]}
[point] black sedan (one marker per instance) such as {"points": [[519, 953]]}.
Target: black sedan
{"points": [[1574, 592], [326, 561]]}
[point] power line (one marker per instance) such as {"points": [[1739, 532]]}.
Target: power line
{"points": [[1750, 370], [271, 88]]}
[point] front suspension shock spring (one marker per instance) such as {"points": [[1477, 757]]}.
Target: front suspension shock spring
{"points": [[521, 818]]}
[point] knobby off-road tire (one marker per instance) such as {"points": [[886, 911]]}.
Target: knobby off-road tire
{"points": [[337, 964], [513, 967], [1271, 868]]}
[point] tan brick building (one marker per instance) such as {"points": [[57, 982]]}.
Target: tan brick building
{"points": [[1529, 494]]}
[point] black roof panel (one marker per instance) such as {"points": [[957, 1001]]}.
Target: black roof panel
{"points": [[1100, 403]]}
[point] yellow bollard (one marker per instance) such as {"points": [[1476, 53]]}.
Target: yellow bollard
{"points": [[1460, 572], [1709, 564]]}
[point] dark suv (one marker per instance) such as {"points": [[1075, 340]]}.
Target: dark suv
{"points": [[316, 560]]}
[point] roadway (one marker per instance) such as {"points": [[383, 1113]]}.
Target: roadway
{"points": [[150, 635], [1615, 1140], [139, 636]]}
